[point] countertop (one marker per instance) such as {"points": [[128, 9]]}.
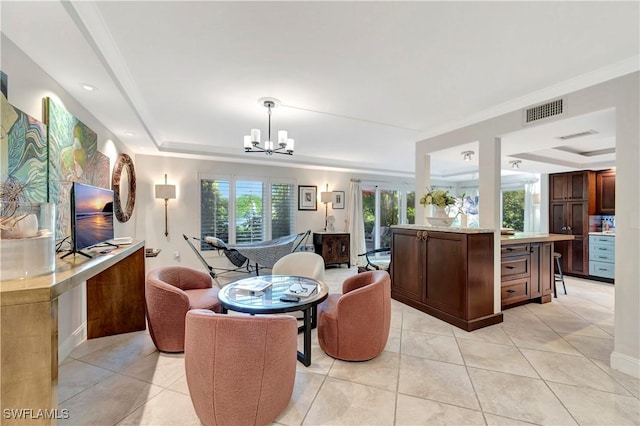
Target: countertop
{"points": [[533, 237], [444, 229], [604, 234], [70, 272]]}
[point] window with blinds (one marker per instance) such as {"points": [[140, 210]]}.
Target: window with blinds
{"points": [[249, 212], [214, 210], [245, 204], [282, 209]]}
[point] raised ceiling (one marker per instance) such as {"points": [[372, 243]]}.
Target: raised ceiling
{"points": [[360, 82]]}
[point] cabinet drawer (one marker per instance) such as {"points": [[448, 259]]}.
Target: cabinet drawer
{"points": [[514, 267], [602, 240], [600, 269], [515, 291], [608, 256], [514, 250], [599, 248]]}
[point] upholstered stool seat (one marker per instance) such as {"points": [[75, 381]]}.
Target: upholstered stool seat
{"points": [[170, 292]]}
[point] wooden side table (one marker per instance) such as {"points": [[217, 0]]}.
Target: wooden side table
{"points": [[334, 247]]}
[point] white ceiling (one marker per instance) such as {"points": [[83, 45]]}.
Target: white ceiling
{"points": [[360, 82]]}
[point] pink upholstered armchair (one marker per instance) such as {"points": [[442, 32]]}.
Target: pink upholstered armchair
{"points": [[240, 369], [169, 293], [354, 325]]}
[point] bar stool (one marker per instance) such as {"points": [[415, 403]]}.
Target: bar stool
{"points": [[558, 277]]}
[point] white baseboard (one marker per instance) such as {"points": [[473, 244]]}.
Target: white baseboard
{"points": [[67, 346], [626, 364]]}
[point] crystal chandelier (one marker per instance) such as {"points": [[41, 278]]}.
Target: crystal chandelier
{"points": [[252, 142]]}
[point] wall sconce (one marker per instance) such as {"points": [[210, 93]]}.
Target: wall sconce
{"points": [[466, 155], [166, 192], [515, 164], [326, 197]]}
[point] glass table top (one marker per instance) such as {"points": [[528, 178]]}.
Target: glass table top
{"points": [[238, 296]]}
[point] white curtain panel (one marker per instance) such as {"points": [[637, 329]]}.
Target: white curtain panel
{"points": [[532, 207], [355, 223]]}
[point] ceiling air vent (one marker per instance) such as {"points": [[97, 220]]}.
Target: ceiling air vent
{"points": [[547, 110]]}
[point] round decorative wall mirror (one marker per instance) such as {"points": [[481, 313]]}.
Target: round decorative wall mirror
{"points": [[123, 184]]}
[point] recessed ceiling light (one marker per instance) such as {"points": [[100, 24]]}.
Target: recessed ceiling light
{"points": [[129, 134], [88, 87]]}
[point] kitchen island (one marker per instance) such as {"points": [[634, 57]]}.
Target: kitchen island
{"points": [[445, 272], [527, 267], [449, 272]]}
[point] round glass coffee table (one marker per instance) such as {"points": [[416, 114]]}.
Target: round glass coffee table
{"points": [[238, 296]]}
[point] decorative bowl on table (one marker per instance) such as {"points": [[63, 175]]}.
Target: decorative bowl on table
{"points": [[440, 221]]}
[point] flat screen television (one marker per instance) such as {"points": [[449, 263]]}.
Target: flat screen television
{"points": [[91, 216]]}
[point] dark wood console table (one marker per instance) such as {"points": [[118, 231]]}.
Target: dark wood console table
{"points": [[29, 316], [334, 247]]}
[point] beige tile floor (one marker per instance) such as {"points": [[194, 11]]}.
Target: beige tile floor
{"points": [[546, 364]]}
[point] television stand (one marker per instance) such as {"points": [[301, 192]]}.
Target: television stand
{"points": [[79, 252]]}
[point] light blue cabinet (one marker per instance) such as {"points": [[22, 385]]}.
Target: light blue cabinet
{"points": [[602, 256]]}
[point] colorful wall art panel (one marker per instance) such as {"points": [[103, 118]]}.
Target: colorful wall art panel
{"points": [[23, 151], [73, 157]]}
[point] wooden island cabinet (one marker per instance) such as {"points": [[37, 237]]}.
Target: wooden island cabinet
{"points": [[527, 268], [445, 272]]}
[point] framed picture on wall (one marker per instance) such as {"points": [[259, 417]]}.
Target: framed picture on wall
{"points": [[307, 197], [338, 200]]}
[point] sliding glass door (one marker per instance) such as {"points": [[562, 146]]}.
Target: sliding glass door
{"points": [[382, 208]]}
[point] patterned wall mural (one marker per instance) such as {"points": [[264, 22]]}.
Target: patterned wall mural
{"points": [[24, 151], [73, 157]]}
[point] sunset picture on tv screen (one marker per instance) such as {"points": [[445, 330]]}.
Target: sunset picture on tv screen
{"points": [[93, 215]]}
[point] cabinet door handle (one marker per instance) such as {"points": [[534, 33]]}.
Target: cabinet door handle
{"points": [[510, 249], [511, 291], [564, 228], [509, 267], [419, 235]]}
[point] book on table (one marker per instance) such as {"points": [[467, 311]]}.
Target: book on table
{"points": [[301, 290], [253, 285]]}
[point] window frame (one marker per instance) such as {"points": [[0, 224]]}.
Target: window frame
{"points": [[266, 200]]}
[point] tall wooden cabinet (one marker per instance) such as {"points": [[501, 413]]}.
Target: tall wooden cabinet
{"points": [[446, 274], [606, 192], [571, 201]]}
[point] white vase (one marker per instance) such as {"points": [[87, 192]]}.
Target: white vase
{"points": [[463, 220], [438, 211], [28, 249]]}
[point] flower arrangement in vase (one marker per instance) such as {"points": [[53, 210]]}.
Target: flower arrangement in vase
{"points": [[440, 198]]}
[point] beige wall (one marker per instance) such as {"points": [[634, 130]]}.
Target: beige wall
{"points": [[622, 94]]}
